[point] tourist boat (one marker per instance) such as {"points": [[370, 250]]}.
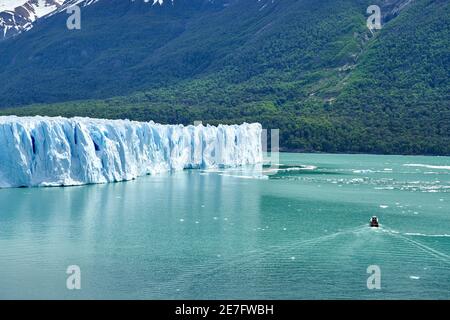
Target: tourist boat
{"points": [[374, 222]]}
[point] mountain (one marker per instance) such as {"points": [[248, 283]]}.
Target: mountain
{"points": [[311, 68], [126, 44], [18, 16]]}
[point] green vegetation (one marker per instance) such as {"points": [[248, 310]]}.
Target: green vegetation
{"points": [[310, 68]]}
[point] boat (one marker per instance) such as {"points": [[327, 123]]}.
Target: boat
{"points": [[374, 222]]}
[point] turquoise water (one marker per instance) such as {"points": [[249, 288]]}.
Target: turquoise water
{"points": [[299, 233]]}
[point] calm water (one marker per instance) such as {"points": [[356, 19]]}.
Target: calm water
{"points": [[298, 234]]}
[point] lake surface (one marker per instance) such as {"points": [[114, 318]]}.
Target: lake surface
{"points": [[297, 233]]}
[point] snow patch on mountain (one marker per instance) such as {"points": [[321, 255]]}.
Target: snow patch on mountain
{"points": [[11, 4], [17, 16]]}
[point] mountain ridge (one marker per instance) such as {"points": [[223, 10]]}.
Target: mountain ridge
{"points": [[19, 16]]}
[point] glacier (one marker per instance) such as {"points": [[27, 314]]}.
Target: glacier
{"points": [[47, 151]]}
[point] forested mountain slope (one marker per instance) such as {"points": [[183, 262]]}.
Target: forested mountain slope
{"points": [[310, 68]]}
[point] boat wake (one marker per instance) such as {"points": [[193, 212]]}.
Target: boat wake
{"points": [[206, 270], [433, 252], [210, 269], [428, 235]]}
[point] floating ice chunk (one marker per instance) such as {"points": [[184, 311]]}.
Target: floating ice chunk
{"points": [[419, 165], [43, 151]]}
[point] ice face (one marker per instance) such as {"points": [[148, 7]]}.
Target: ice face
{"points": [[42, 151]]}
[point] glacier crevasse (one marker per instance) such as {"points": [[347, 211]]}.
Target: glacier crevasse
{"points": [[44, 151]]}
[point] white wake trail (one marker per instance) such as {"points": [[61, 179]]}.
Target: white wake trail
{"points": [[433, 252]]}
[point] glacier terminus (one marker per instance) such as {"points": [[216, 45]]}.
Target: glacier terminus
{"points": [[45, 151]]}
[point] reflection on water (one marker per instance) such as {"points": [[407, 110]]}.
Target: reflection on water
{"points": [[295, 231]]}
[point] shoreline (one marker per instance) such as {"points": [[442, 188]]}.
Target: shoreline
{"points": [[298, 151]]}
